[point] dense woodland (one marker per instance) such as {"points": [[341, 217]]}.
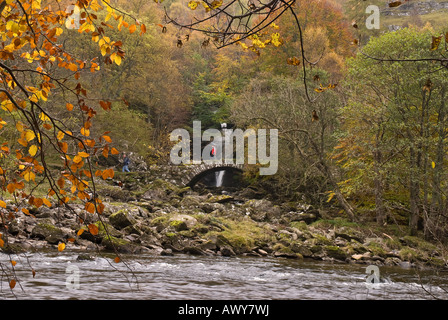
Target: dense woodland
{"points": [[363, 132]]}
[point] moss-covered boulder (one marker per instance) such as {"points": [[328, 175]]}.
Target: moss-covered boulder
{"points": [[261, 210], [120, 245], [121, 219], [221, 198], [298, 247], [47, 231], [281, 250], [182, 222], [335, 252], [242, 234]]}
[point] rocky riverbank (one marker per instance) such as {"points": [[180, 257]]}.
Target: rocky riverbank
{"points": [[156, 217]]}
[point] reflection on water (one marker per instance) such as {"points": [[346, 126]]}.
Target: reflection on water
{"points": [[203, 277]]}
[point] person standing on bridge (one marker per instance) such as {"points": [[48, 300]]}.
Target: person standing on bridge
{"points": [[126, 162]]}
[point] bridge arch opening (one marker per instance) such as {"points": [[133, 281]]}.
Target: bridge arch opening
{"points": [[218, 177]]}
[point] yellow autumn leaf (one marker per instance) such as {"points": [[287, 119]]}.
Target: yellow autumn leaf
{"points": [[2, 204], [19, 126], [294, 61], [77, 159], [433, 164], [60, 135], [193, 5], [117, 60], [276, 40], [85, 132], [83, 154], [46, 202], [61, 247], [32, 150], [435, 42], [29, 175], [44, 117], [29, 135], [216, 4]]}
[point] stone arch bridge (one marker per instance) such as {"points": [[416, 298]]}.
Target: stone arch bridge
{"points": [[185, 175]]}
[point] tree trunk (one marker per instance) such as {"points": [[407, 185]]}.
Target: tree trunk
{"points": [[378, 182], [413, 193], [339, 196], [379, 203]]}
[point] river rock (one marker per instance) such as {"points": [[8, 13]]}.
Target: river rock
{"points": [[182, 222], [335, 252], [222, 198], [357, 256], [121, 219], [349, 234], [307, 217], [303, 250], [85, 257], [227, 251], [120, 245], [166, 252], [47, 231], [190, 202], [261, 210], [208, 245]]}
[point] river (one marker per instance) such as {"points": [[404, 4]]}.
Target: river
{"points": [[62, 276]]}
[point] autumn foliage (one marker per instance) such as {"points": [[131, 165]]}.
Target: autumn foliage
{"points": [[36, 67]]}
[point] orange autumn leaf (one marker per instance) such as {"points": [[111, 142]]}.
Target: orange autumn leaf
{"points": [[12, 284], [93, 229], [63, 146], [105, 105], [85, 132], [83, 154], [61, 247], [46, 202], [108, 173], [61, 182], [90, 207], [106, 151], [142, 29], [38, 202]]}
